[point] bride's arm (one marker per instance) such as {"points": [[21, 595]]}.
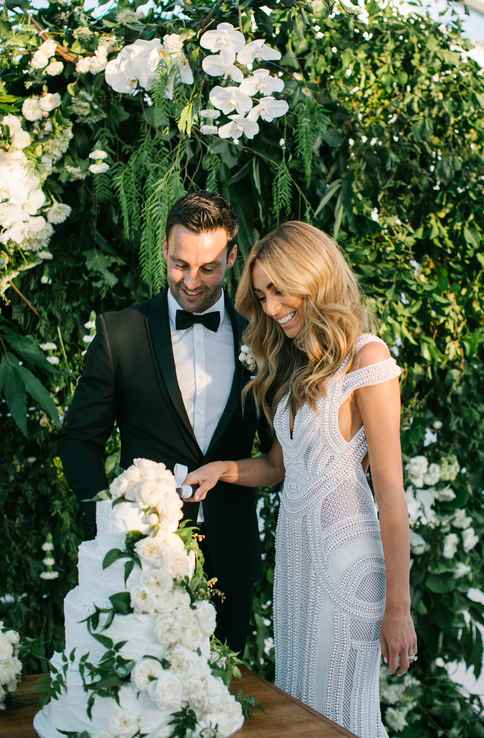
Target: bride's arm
{"points": [[263, 471], [379, 406]]}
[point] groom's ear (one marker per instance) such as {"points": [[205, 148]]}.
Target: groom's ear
{"points": [[165, 248], [232, 256]]}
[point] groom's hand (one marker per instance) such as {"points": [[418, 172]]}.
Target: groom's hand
{"points": [[204, 479]]}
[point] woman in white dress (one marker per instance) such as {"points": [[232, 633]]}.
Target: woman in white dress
{"points": [[330, 388]]}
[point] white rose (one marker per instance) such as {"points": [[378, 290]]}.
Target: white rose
{"points": [[48, 48], [469, 539], [190, 632], [167, 691], [187, 663], [54, 68], [123, 725], [58, 212], [450, 545], [118, 486], [175, 557], [50, 101], [127, 516], [146, 671], [158, 582], [148, 493], [207, 617], [150, 550], [31, 109], [149, 469]]}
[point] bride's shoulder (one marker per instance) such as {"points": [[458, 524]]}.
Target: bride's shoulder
{"points": [[370, 349]]}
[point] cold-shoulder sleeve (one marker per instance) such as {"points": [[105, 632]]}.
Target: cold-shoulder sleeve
{"points": [[374, 372]]}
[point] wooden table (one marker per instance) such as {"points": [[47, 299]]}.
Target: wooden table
{"points": [[278, 716]]}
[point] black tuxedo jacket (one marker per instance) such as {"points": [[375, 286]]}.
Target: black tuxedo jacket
{"points": [[130, 380]]}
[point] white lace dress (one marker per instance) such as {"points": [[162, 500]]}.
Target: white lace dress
{"points": [[329, 588]]}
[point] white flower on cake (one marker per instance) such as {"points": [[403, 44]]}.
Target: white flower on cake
{"points": [[167, 691], [146, 671], [159, 621]]}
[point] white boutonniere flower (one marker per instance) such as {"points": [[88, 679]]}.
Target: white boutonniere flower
{"points": [[247, 358]]}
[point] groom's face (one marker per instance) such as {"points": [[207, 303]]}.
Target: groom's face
{"points": [[196, 266]]}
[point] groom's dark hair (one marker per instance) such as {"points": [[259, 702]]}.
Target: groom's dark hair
{"points": [[204, 211]]}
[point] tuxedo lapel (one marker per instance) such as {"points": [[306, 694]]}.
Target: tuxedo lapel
{"points": [[236, 388], [159, 329]]}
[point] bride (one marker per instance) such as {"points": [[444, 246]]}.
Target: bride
{"points": [[330, 389]]}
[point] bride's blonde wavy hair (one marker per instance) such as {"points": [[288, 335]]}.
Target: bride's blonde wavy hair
{"points": [[300, 260]]}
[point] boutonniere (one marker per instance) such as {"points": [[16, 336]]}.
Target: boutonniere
{"points": [[247, 358]]}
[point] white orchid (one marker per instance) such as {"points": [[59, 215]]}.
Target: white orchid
{"points": [[256, 50], [210, 114], [224, 38], [222, 65], [262, 81], [136, 64], [231, 98], [238, 127], [268, 108]]}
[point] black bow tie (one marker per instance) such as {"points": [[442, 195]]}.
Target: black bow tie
{"points": [[185, 320]]}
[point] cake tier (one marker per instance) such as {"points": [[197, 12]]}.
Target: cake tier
{"points": [[98, 583], [69, 711], [136, 629]]}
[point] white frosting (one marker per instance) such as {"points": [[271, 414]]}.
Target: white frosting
{"points": [[69, 712]]}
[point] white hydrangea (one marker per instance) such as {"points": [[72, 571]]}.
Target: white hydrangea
{"points": [[10, 664]]}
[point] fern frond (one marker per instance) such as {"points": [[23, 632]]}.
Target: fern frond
{"points": [[281, 190]]}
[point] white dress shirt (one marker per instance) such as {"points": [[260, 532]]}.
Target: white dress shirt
{"points": [[205, 364]]}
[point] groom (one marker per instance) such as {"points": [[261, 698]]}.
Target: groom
{"points": [[167, 373]]}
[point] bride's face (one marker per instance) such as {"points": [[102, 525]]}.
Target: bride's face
{"points": [[286, 310]]}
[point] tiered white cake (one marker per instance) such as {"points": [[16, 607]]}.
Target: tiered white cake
{"points": [[147, 640]]}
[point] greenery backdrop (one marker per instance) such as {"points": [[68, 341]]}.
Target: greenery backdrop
{"points": [[380, 147]]}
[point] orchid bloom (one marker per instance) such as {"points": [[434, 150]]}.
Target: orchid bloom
{"points": [[227, 99], [261, 81], [255, 50], [224, 38], [237, 127], [222, 65], [269, 108]]}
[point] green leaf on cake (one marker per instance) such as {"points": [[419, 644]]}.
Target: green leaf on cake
{"points": [[121, 603], [113, 555]]}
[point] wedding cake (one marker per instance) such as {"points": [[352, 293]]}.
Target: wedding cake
{"points": [[137, 659]]}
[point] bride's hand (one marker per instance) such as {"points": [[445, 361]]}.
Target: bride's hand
{"points": [[206, 477], [398, 640]]}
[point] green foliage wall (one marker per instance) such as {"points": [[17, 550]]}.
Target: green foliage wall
{"points": [[380, 147]]}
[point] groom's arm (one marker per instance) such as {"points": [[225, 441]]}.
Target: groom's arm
{"points": [[89, 423]]}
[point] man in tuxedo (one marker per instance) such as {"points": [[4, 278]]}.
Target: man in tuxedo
{"points": [[166, 371]]}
